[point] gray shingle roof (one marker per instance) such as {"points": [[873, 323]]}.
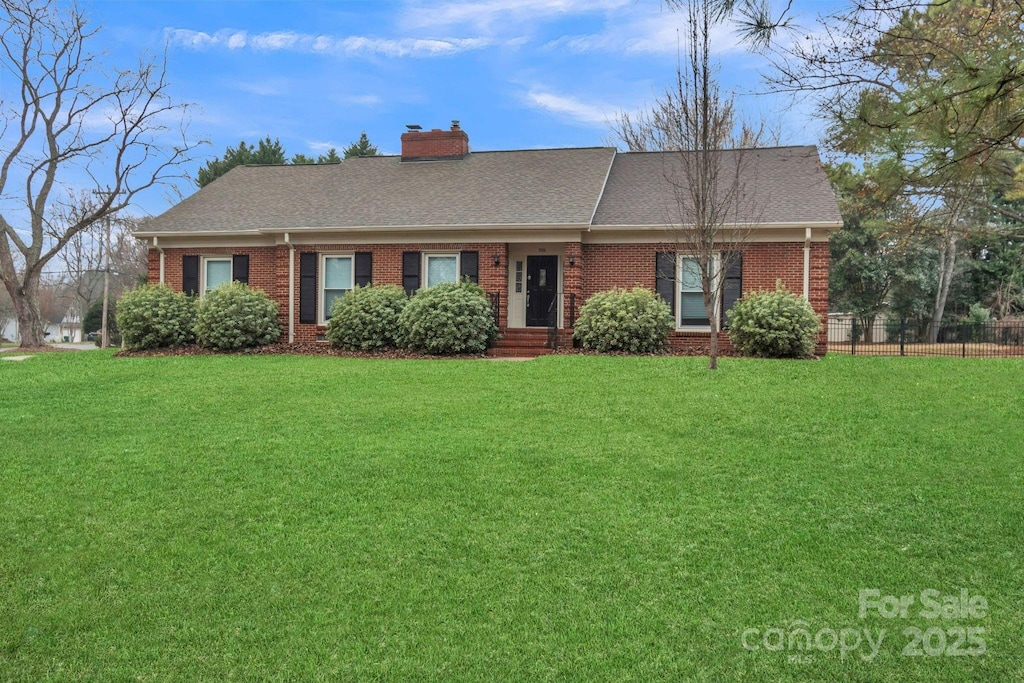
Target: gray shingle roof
{"points": [[547, 186], [783, 185], [526, 187]]}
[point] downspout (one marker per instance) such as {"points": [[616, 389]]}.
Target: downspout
{"points": [[291, 289], [156, 245], [807, 264]]}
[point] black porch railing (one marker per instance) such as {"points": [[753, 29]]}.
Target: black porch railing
{"points": [[553, 317], [495, 298], [892, 337]]}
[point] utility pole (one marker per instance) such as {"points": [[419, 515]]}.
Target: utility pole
{"points": [[104, 332]]}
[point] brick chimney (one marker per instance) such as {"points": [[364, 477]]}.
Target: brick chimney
{"points": [[434, 145]]}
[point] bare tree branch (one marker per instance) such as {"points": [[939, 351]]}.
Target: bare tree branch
{"points": [[119, 127]]}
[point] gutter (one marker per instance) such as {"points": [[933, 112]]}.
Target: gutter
{"points": [[291, 288], [807, 264]]}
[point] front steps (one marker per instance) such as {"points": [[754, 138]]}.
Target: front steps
{"points": [[524, 342]]}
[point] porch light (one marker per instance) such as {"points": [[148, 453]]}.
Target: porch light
{"points": [[497, 259], [572, 259]]}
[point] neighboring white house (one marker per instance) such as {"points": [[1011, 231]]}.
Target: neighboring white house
{"points": [[841, 326], [68, 329]]}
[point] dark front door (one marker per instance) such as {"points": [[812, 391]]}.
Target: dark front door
{"points": [[541, 290]]}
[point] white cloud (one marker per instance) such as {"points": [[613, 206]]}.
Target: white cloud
{"points": [[487, 14], [363, 100], [591, 114], [352, 46], [267, 87], [655, 33], [236, 41], [320, 147]]}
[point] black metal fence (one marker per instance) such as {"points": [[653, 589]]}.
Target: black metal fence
{"points": [[891, 337]]}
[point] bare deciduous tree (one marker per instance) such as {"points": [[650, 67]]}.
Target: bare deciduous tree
{"points": [[710, 174], [70, 120]]}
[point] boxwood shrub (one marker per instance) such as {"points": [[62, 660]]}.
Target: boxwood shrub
{"points": [[777, 324], [234, 316], [446, 319], [635, 321], [154, 317], [366, 318]]}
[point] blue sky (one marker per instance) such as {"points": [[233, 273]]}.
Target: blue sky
{"points": [[516, 73]]}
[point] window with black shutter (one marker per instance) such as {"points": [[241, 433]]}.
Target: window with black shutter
{"points": [[665, 278], [411, 271], [469, 266], [732, 286], [240, 268], [190, 275], [364, 268], [307, 287]]}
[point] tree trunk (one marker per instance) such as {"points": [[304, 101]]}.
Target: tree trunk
{"points": [[26, 304], [947, 259], [709, 306], [869, 325], [713, 346]]}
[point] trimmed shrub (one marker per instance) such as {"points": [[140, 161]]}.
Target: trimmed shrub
{"points": [[234, 316], [777, 324], [366, 318], [450, 318], [635, 321], [154, 317]]}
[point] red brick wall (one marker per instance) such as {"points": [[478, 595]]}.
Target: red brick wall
{"points": [[597, 267], [387, 270], [435, 144], [632, 265]]}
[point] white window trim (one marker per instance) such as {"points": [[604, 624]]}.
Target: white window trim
{"points": [[202, 271], [679, 292], [322, 284], [427, 255]]}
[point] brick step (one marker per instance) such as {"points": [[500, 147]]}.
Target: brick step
{"points": [[521, 342]]}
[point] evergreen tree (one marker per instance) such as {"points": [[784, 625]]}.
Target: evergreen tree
{"points": [[266, 152], [330, 158], [361, 148]]}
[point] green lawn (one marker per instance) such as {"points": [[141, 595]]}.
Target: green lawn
{"points": [[571, 518]]}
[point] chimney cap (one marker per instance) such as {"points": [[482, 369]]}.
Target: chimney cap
{"points": [[455, 124], [414, 126]]}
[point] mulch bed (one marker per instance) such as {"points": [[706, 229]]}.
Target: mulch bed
{"points": [[322, 349], [297, 349], [687, 352]]}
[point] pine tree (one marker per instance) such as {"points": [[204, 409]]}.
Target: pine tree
{"points": [[361, 148]]}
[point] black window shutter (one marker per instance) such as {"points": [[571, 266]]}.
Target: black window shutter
{"points": [[240, 268], [364, 268], [307, 287], [665, 278], [190, 275], [411, 271], [469, 266], [732, 286]]}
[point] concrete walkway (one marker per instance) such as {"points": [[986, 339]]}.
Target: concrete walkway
{"points": [[71, 346]]}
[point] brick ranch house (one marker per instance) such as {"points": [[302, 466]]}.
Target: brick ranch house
{"points": [[540, 230]]}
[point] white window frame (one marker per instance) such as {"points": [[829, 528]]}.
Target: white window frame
{"points": [[321, 294], [717, 265], [427, 255], [202, 272]]}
